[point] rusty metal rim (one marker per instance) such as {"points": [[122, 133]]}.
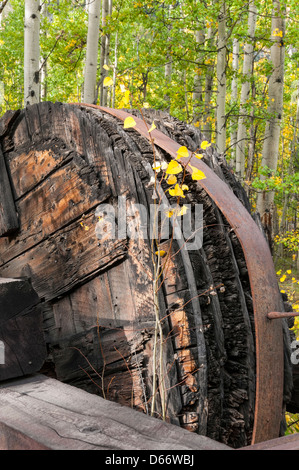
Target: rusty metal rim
{"points": [[264, 287]]}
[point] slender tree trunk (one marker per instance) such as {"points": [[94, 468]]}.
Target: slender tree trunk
{"points": [[168, 75], [5, 8], [105, 50], [221, 81], [31, 52], [234, 98], [91, 61], [293, 157], [114, 69], [208, 91], [43, 59], [197, 92], [169, 61], [242, 140], [265, 200]]}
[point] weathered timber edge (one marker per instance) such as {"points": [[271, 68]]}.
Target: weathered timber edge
{"points": [[38, 412]]}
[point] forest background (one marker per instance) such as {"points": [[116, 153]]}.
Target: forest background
{"points": [[229, 68]]}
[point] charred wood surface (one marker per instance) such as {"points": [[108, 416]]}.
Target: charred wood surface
{"points": [[98, 314]]}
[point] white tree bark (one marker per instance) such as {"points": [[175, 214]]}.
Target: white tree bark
{"points": [[5, 9], [168, 76], [234, 98], [265, 200], [197, 92], [221, 81], [242, 140], [31, 51], [105, 50], [91, 61], [43, 60], [115, 69], [208, 90]]}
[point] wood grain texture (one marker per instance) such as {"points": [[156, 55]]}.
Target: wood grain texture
{"points": [[57, 416]]}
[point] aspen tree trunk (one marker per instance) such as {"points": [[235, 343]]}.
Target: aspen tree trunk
{"points": [[251, 143], [31, 52], [207, 116], [221, 81], [242, 141], [293, 157], [168, 75], [265, 200], [105, 46], [168, 65], [234, 98], [91, 62], [197, 93], [114, 69], [43, 59], [5, 8]]}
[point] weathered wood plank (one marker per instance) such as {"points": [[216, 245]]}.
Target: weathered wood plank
{"points": [[71, 256], [61, 417], [8, 216], [20, 329], [60, 199], [47, 157], [290, 442]]}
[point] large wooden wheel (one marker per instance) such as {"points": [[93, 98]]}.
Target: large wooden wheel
{"points": [[63, 162]]}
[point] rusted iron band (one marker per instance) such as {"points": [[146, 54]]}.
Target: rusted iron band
{"points": [[264, 287]]}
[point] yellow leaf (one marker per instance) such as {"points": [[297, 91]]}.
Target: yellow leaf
{"points": [[176, 191], [174, 168], [205, 144], [108, 81], [279, 272], [162, 253], [182, 152], [283, 291], [84, 226], [185, 187], [153, 126], [169, 213], [283, 278], [129, 122], [197, 174], [289, 271], [172, 179], [105, 67], [198, 155], [196, 124], [126, 98]]}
